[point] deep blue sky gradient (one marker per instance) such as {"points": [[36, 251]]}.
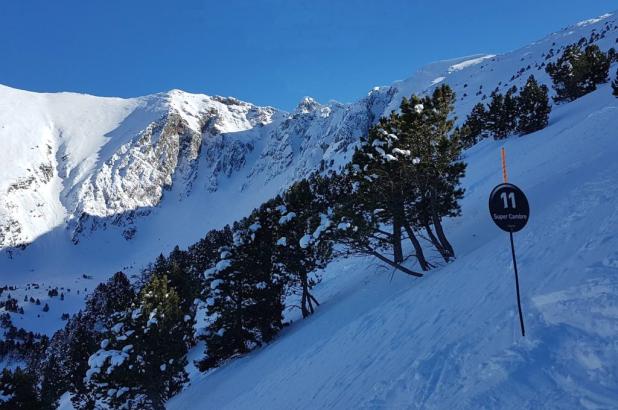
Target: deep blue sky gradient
{"points": [[269, 52]]}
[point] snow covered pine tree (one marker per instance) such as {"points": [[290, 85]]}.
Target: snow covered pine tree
{"points": [[302, 245], [245, 303], [148, 339]]}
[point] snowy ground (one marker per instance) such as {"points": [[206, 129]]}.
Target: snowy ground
{"points": [[451, 339]]}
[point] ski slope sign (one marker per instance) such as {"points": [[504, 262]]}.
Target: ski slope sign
{"points": [[509, 207]]}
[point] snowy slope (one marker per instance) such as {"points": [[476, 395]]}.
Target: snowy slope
{"points": [[36, 131], [451, 340], [132, 178]]}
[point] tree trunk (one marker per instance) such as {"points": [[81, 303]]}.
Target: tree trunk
{"points": [[307, 299], [435, 242], [240, 343], [418, 250], [397, 250], [311, 297], [310, 305], [304, 299], [303, 304], [437, 223], [441, 236]]}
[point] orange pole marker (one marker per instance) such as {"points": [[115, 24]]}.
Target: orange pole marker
{"points": [[504, 165]]}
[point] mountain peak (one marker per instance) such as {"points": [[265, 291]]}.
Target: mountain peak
{"points": [[307, 105]]}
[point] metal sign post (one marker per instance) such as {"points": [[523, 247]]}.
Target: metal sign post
{"points": [[509, 209]]}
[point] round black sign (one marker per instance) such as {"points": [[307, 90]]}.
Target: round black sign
{"points": [[509, 207]]}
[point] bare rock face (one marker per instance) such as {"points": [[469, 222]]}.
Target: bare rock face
{"points": [[136, 175], [166, 153]]}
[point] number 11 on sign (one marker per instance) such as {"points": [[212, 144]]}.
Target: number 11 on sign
{"points": [[511, 196]]}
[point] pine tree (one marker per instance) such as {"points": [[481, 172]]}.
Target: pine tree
{"points": [[615, 85], [115, 295], [380, 171], [598, 63], [205, 253], [182, 275], [160, 267], [54, 380], [510, 110], [141, 361], [496, 123], [578, 72], [533, 107], [437, 169], [80, 340], [356, 222], [302, 247], [246, 294], [168, 333], [18, 390], [65, 361], [473, 128], [502, 114], [404, 175]]}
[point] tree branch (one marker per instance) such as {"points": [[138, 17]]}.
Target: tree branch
{"points": [[395, 265]]}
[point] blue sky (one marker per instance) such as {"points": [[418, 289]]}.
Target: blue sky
{"points": [[269, 52]]}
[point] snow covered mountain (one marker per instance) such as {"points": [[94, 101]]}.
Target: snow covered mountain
{"points": [[72, 158], [93, 185], [80, 164]]}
